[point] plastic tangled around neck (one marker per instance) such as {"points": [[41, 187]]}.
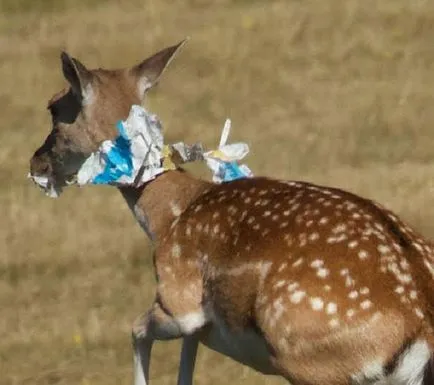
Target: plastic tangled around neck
{"points": [[138, 154]]}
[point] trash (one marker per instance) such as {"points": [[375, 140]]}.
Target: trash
{"points": [[138, 154], [47, 185], [133, 158], [189, 153], [223, 162]]}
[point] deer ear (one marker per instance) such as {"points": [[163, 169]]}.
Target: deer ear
{"points": [[78, 76], [148, 72]]}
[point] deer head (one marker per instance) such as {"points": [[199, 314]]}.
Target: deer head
{"points": [[85, 114]]}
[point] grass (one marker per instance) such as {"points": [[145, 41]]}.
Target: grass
{"points": [[337, 92]]}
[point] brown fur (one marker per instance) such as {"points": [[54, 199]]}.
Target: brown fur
{"points": [[306, 348], [330, 282]]}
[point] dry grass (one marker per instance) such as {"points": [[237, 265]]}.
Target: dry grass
{"points": [[339, 92]]}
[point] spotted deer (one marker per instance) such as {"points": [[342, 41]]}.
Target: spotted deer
{"points": [[311, 283]]}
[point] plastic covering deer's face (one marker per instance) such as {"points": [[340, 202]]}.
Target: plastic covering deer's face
{"points": [[85, 114]]}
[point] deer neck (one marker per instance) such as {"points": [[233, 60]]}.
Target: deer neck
{"points": [[157, 204]]}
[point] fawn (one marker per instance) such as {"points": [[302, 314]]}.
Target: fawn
{"points": [[312, 283]]}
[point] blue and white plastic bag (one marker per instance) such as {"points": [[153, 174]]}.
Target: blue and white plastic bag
{"points": [[223, 162], [138, 154], [133, 158]]}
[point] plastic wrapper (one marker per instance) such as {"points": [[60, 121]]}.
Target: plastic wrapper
{"points": [[133, 158], [47, 185], [224, 162], [138, 154]]}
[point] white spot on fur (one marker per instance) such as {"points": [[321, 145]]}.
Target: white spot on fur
{"points": [[297, 296], [176, 250], [362, 254], [331, 240], [340, 238], [298, 262], [323, 221], [316, 303], [313, 237], [383, 249], [418, 246], [188, 230], [349, 282], [176, 210], [419, 313], [404, 264], [429, 266], [399, 289], [353, 244], [323, 272], [282, 267], [279, 284], [292, 286], [340, 228], [317, 263], [331, 308], [366, 304], [364, 291]]}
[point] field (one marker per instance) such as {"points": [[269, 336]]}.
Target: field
{"points": [[338, 92]]}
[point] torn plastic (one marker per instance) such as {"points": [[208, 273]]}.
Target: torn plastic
{"points": [[189, 153], [224, 162], [133, 158], [47, 185], [138, 154]]}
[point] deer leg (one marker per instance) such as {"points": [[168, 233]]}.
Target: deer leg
{"points": [[142, 354], [190, 344], [153, 325]]}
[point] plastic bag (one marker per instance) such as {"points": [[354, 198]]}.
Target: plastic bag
{"points": [[133, 158], [223, 162]]}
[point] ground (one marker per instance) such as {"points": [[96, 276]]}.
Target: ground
{"points": [[337, 92]]}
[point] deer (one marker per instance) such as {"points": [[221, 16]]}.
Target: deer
{"points": [[311, 283]]}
